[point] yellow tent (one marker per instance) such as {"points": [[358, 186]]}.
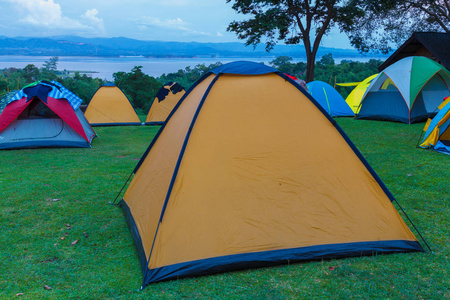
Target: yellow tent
{"points": [[250, 171], [164, 102], [110, 106], [355, 97]]}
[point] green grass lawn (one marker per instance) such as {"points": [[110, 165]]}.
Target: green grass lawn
{"points": [[58, 228]]}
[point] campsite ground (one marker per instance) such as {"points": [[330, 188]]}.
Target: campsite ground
{"points": [[59, 230]]}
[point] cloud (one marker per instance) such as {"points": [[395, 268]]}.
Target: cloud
{"points": [[168, 23], [91, 17], [48, 14], [43, 13], [174, 2], [173, 24]]}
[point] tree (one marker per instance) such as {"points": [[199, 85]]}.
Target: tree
{"points": [[188, 76], [293, 21], [51, 64], [31, 73], [3, 85], [82, 85], [49, 68], [283, 64], [388, 22], [137, 85]]}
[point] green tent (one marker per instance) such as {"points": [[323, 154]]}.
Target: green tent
{"points": [[408, 91]]}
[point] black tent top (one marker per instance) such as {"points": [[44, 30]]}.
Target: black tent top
{"points": [[437, 43]]}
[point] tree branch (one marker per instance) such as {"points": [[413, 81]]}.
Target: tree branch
{"points": [[429, 12], [325, 24], [447, 4]]}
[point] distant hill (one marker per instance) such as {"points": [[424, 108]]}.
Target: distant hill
{"points": [[121, 46]]}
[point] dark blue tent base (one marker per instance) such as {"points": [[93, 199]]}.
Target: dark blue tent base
{"points": [[27, 144], [390, 106], [116, 124], [260, 259], [276, 257]]}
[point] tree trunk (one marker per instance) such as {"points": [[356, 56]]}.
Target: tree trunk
{"points": [[310, 64], [310, 60]]}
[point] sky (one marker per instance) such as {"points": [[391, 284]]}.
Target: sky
{"points": [[161, 20]]}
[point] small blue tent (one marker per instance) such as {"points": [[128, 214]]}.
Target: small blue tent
{"points": [[331, 101]]}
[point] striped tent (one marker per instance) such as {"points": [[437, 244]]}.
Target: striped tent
{"points": [[44, 114]]}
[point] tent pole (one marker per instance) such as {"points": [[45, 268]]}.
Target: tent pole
{"points": [[114, 202], [420, 137], [417, 230]]}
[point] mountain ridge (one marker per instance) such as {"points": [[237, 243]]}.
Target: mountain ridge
{"points": [[122, 46]]}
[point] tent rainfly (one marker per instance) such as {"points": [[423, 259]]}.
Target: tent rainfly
{"points": [[437, 130], [354, 98], [166, 99], [331, 101], [250, 171], [110, 106], [408, 91], [6, 98], [44, 114]]}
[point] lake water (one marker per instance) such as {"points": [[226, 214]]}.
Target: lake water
{"points": [[104, 67]]}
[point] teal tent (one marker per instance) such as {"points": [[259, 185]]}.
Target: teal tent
{"points": [[331, 101]]}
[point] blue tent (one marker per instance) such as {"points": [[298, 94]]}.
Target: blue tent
{"points": [[331, 101]]}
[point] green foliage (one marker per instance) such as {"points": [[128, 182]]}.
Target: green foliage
{"points": [[283, 63], [3, 85], [51, 65], [53, 197], [49, 69], [31, 73], [83, 86], [346, 71], [14, 78], [188, 76], [140, 88], [328, 71]]}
